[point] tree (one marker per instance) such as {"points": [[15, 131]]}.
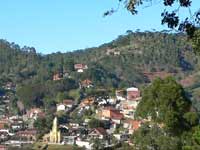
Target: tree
{"points": [[95, 123], [195, 40], [154, 138], [166, 103], [60, 97], [97, 144], [62, 117], [196, 135], [126, 146], [171, 17], [191, 139], [31, 95], [43, 125], [69, 64]]}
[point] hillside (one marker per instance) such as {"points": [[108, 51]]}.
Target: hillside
{"points": [[132, 55], [132, 59]]}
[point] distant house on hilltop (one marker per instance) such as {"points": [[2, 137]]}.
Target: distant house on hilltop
{"points": [[57, 76], [112, 52], [34, 113], [65, 105], [80, 67], [9, 86], [86, 83]]}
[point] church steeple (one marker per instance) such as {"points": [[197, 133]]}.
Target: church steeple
{"points": [[55, 136], [55, 125]]}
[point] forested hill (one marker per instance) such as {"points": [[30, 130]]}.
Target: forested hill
{"points": [[132, 54], [132, 59], [124, 61]]}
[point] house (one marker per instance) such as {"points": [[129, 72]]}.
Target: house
{"points": [[86, 83], [60, 107], [3, 147], [111, 113], [4, 136], [75, 125], [99, 133], [87, 102], [65, 105], [81, 143], [68, 103], [16, 123], [105, 101], [34, 113], [17, 126], [120, 95], [128, 108], [69, 140], [111, 101], [121, 137], [113, 51], [29, 135], [78, 131], [57, 76], [133, 93], [132, 125], [4, 123], [80, 67], [7, 131], [9, 86]]}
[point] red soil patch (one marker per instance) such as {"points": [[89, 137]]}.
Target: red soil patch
{"points": [[152, 75], [188, 81]]}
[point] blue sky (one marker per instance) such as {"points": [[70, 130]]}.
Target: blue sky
{"points": [[65, 25]]}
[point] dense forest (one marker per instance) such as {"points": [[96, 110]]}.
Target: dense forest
{"points": [[124, 62]]}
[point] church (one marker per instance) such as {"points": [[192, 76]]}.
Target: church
{"points": [[55, 135]]}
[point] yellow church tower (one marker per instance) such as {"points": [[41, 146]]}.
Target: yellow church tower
{"points": [[55, 135]]}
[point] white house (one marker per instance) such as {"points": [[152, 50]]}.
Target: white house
{"points": [[85, 144], [60, 107], [65, 105]]}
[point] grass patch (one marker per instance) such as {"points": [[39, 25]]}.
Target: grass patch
{"points": [[44, 146]]}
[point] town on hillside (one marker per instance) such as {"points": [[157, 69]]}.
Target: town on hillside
{"points": [[100, 75], [109, 119], [90, 117]]}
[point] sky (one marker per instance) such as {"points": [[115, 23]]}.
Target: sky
{"points": [[66, 25]]}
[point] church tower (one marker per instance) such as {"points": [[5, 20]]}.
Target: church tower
{"points": [[55, 136]]}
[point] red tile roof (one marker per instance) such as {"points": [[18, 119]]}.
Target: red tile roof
{"points": [[116, 115], [3, 147], [27, 132], [110, 108], [86, 82], [135, 124], [80, 66], [100, 130], [68, 102]]}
